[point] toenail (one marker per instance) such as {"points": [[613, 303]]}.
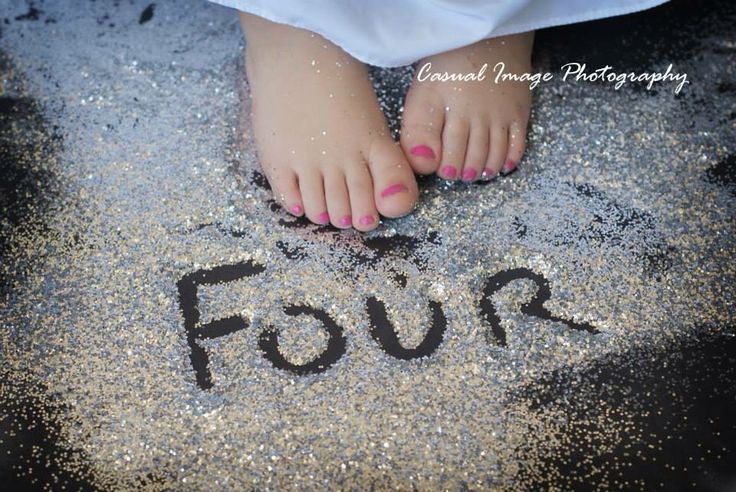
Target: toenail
{"points": [[488, 173], [346, 220], [509, 166], [367, 219], [469, 174], [393, 189], [297, 209], [449, 171], [324, 218], [422, 151]]}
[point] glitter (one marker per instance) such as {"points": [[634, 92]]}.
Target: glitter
{"points": [[96, 315]]}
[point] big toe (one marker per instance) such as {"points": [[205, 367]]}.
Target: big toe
{"points": [[421, 130], [394, 186]]}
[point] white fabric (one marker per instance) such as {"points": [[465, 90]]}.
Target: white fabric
{"points": [[391, 33]]}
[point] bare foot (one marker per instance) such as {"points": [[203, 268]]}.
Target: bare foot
{"points": [[469, 129], [321, 136]]}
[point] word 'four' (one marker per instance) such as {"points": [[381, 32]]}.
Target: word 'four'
{"points": [[381, 328]]}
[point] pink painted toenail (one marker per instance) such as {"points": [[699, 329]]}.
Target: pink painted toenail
{"points": [[346, 220], [297, 209], [393, 189], [422, 151], [469, 174], [449, 171], [488, 172], [509, 166], [324, 218], [367, 219]]}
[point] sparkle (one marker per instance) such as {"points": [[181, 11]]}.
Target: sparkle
{"points": [[119, 218]]}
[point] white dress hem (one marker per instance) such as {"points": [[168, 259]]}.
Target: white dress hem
{"points": [[503, 30]]}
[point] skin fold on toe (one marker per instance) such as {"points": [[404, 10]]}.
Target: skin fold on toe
{"points": [[469, 129], [320, 134]]}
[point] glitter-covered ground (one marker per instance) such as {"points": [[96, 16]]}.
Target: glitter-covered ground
{"points": [[166, 326]]}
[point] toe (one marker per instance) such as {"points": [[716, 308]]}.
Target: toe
{"points": [[498, 150], [454, 142], [360, 191], [516, 145], [421, 132], [313, 194], [338, 201], [477, 153], [394, 186], [285, 188]]}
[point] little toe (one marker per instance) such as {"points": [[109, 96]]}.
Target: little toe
{"points": [[454, 143], [394, 186], [421, 132], [477, 153], [286, 191], [497, 152], [338, 201], [360, 191], [516, 145], [313, 194]]}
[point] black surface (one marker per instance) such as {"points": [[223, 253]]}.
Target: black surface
{"points": [[683, 429]]}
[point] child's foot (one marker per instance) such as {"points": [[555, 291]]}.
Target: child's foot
{"points": [[321, 136], [468, 130]]}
